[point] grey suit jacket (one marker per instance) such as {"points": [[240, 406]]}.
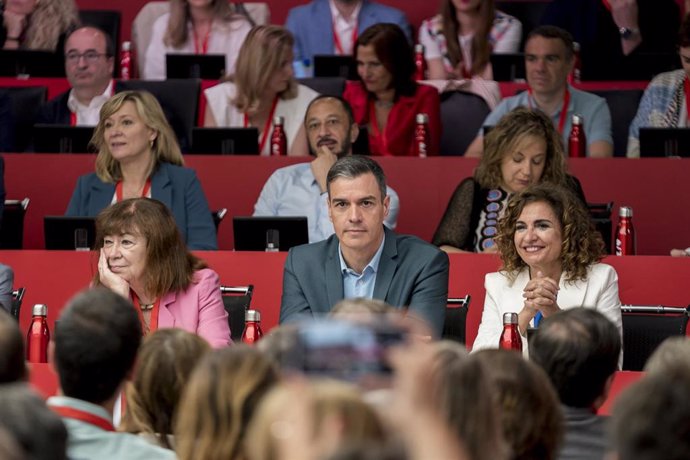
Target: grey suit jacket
{"points": [[411, 273], [6, 283]]}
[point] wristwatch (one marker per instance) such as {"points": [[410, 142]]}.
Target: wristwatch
{"points": [[626, 33]]}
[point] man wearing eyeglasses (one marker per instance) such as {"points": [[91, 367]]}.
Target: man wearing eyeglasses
{"points": [[89, 67]]}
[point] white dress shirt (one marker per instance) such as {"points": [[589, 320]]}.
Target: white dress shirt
{"points": [[88, 115]]}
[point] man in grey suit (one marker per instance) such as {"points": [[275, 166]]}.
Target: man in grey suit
{"points": [[6, 283], [363, 258]]}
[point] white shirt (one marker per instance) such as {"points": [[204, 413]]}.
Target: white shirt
{"points": [[88, 115], [344, 27]]}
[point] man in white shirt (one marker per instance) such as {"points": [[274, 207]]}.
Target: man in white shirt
{"points": [[300, 190], [89, 64]]}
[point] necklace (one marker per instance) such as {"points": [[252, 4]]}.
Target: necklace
{"points": [[146, 306], [384, 104]]}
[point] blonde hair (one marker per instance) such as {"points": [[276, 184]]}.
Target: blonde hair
{"points": [[260, 56], [327, 398], [177, 32], [165, 361], [49, 20], [164, 149], [218, 403]]}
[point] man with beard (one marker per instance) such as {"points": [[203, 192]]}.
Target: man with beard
{"points": [[300, 189], [89, 64], [348, 18]]}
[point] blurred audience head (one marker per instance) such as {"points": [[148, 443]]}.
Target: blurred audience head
{"points": [[313, 420], [579, 350], [528, 405], [580, 246], [12, 357], [361, 309], [673, 355], [329, 122], [219, 402], [165, 362], [89, 60], [169, 266], [523, 148], [96, 344], [38, 430], [264, 65], [463, 395], [385, 60], [279, 344], [147, 132], [651, 419]]}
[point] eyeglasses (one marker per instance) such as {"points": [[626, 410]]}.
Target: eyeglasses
{"points": [[90, 56]]}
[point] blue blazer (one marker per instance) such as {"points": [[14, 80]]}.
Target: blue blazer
{"points": [[176, 186], [411, 273], [311, 25]]}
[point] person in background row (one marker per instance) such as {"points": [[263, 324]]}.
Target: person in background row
{"points": [[672, 355], [219, 403], [549, 59], [550, 252], [263, 88], [36, 24], [527, 404], [616, 37], [89, 64], [300, 189], [386, 99], [6, 287], [7, 122], [195, 27], [522, 149], [38, 430], [138, 155], [458, 42], [664, 102], [339, 23], [164, 363], [12, 354], [94, 352], [681, 252], [143, 258], [363, 258], [579, 350]]}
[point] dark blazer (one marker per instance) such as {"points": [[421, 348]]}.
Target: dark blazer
{"points": [[56, 112], [311, 25], [177, 187], [411, 273]]}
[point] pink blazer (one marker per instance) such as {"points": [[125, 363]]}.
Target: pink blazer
{"points": [[199, 309]]}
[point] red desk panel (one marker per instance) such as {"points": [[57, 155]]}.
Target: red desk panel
{"points": [[55, 86], [655, 188]]}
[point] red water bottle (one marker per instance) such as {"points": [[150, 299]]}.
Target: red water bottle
{"points": [[575, 75], [278, 138], [577, 143], [126, 61], [252, 327], [510, 337], [419, 62], [38, 336], [625, 233], [421, 135]]}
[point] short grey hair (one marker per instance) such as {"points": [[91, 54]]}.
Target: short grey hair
{"points": [[353, 166]]}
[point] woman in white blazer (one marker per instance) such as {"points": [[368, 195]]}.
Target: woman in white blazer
{"points": [[551, 253]]}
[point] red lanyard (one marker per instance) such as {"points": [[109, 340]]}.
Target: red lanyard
{"points": [[606, 4], [83, 416], [686, 88], [153, 324], [564, 109], [72, 119], [203, 49], [267, 125], [336, 39], [375, 131], [144, 193]]}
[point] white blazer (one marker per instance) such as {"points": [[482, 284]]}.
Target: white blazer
{"points": [[599, 291]]}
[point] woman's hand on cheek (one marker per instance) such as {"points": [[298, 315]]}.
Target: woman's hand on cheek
{"points": [[109, 279]]}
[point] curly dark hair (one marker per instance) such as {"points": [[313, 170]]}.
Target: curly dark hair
{"points": [[581, 246], [510, 131]]}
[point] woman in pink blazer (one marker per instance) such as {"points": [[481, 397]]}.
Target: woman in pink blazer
{"points": [[143, 257]]}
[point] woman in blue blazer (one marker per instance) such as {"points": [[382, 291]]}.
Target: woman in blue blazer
{"points": [[138, 156]]}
